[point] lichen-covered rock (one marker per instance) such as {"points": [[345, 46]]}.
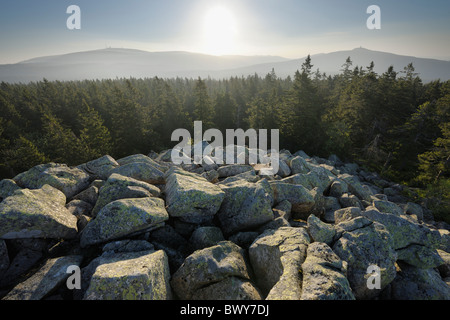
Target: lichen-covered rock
{"points": [[338, 188], [230, 289], [79, 208], [351, 225], [283, 169], [191, 197], [414, 283], [142, 171], [233, 169], [299, 165], [301, 199], [346, 214], [362, 248], [70, 181], [7, 188], [120, 187], [204, 237], [414, 209], [350, 201], [420, 256], [207, 267], [320, 231], [245, 205], [100, 168], [355, 187], [324, 275], [51, 275], [405, 232], [276, 257], [249, 176], [36, 213], [142, 158], [90, 195], [143, 275], [24, 254], [387, 207], [123, 218], [121, 246], [318, 178], [211, 175]]}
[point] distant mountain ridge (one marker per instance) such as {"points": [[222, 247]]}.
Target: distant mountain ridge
{"points": [[115, 63], [331, 63]]}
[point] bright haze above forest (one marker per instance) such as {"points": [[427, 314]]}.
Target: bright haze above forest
{"points": [[288, 28]]}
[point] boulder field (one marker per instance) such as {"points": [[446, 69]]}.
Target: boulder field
{"points": [[143, 228]]}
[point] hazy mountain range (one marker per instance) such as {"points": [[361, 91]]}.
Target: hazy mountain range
{"points": [[124, 63]]}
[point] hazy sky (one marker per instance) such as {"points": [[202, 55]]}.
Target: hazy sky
{"points": [[289, 28]]}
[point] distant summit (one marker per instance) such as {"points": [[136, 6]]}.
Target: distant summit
{"points": [[112, 63]]}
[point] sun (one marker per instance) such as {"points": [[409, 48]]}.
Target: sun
{"points": [[220, 31]]}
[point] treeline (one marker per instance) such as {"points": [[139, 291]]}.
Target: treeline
{"points": [[391, 122]]}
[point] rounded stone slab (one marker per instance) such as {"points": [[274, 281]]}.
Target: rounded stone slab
{"points": [[70, 181], [246, 205], [51, 275], [131, 276], [191, 197], [124, 217], [36, 213], [208, 267]]}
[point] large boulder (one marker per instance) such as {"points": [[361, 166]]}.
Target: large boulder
{"points": [[324, 275], [23, 255], [142, 275], [276, 257], [302, 200], [120, 187], [39, 213], [143, 171], [233, 169], [70, 181], [299, 165], [100, 168], [364, 245], [229, 289], [414, 283], [320, 231], [191, 197], [49, 277], [204, 237], [420, 256], [210, 266], [355, 187], [346, 214], [246, 205], [405, 232], [7, 188], [124, 217], [387, 207]]}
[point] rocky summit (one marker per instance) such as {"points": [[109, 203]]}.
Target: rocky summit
{"points": [[143, 228]]}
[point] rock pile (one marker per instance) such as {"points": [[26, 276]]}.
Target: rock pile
{"points": [[143, 228]]}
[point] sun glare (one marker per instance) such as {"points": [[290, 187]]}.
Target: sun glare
{"points": [[220, 31]]}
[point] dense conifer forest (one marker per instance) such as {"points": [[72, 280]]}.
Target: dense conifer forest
{"points": [[392, 123]]}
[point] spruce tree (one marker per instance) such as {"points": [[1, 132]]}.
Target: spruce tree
{"points": [[94, 136], [60, 143], [203, 108], [27, 155]]}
